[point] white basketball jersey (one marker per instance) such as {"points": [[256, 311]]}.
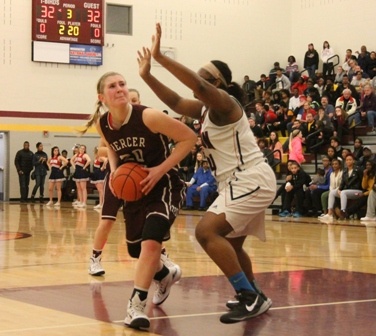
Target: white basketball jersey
{"points": [[229, 147]]}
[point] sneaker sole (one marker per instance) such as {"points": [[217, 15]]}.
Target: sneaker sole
{"points": [[264, 308], [97, 273], [138, 323], [175, 279]]}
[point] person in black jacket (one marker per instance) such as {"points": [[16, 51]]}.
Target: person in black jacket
{"points": [[294, 188], [24, 165], [311, 60], [40, 170], [350, 188]]}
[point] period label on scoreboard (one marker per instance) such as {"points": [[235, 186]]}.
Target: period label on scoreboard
{"points": [[68, 21]]}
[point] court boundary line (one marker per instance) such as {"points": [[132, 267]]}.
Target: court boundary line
{"points": [[188, 315]]}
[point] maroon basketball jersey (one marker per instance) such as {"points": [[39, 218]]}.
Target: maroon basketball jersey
{"points": [[134, 141]]}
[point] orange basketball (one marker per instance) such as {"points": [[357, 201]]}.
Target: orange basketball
{"points": [[126, 181]]}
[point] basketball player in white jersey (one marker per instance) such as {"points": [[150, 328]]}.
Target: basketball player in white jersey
{"points": [[247, 184]]}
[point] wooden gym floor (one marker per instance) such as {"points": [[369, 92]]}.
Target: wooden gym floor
{"points": [[321, 278]]}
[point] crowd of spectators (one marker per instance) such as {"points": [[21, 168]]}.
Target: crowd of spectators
{"points": [[311, 110]]}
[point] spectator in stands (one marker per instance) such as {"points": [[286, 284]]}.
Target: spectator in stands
{"points": [[320, 85], [307, 108], [310, 134], [335, 181], [267, 97], [371, 68], [294, 100], [249, 87], [339, 121], [281, 81], [345, 153], [326, 57], [324, 124], [368, 107], [263, 144], [284, 117], [336, 143], [311, 60], [202, 184], [350, 188], [367, 156], [328, 108], [347, 103], [339, 75], [348, 57], [353, 63], [296, 147], [270, 119], [273, 72], [275, 145], [358, 149], [276, 98], [332, 154], [371, 206], [260, 114], [198, 163], [300, 85], [187, 165], [294, 189], [330, 91], [292, 69], [368, 182], [282, 189], [285, 96], [316, 189], [261, 86], [312, 91], [346, 85], [358, 81], [257, 131], [196, 126], [363, 57]]}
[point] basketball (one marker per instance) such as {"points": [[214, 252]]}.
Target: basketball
{"points": [[126, 181]]}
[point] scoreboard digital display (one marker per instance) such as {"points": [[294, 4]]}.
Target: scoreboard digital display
{"points": [[68, 21]]}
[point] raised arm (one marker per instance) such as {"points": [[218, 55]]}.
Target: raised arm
{"points": [[216, 99]]}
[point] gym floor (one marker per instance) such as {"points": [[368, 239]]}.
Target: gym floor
{"points": [[321, 278]]}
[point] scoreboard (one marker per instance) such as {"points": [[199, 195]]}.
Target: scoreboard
{"points": [[68, 21]]}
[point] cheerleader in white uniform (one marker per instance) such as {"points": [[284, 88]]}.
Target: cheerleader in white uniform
{"points": [[56, 163]]}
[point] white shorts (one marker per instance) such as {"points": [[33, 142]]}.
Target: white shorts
{"points": [[243, 198]]}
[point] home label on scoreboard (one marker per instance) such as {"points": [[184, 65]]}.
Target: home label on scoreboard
{"points": [[68, 21]]}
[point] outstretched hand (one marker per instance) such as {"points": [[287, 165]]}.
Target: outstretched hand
{"points": [[144, 59], [156, 42]]}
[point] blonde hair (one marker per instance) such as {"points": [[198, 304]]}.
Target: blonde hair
{"points": [[293, 134], [99, 105]]}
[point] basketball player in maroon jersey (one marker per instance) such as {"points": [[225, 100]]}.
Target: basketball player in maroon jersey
{"points": [[140, 134]]}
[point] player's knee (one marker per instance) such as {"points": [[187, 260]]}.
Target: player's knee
{"points": [[156, 228]]}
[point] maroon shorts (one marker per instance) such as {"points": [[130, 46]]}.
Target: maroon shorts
{"points": [[164, 200]]}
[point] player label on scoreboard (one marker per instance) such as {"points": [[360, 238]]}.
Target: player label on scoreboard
{"points": [[68, 21]]}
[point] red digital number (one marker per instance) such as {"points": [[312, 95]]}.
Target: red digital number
{"points": [[47, 11], [93, 16], [42, 28]]}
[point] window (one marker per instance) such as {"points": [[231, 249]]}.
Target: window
{"points": [[119, 20]]}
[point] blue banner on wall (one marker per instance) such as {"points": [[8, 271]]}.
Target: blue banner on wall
{"points": [[85, 54]]}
